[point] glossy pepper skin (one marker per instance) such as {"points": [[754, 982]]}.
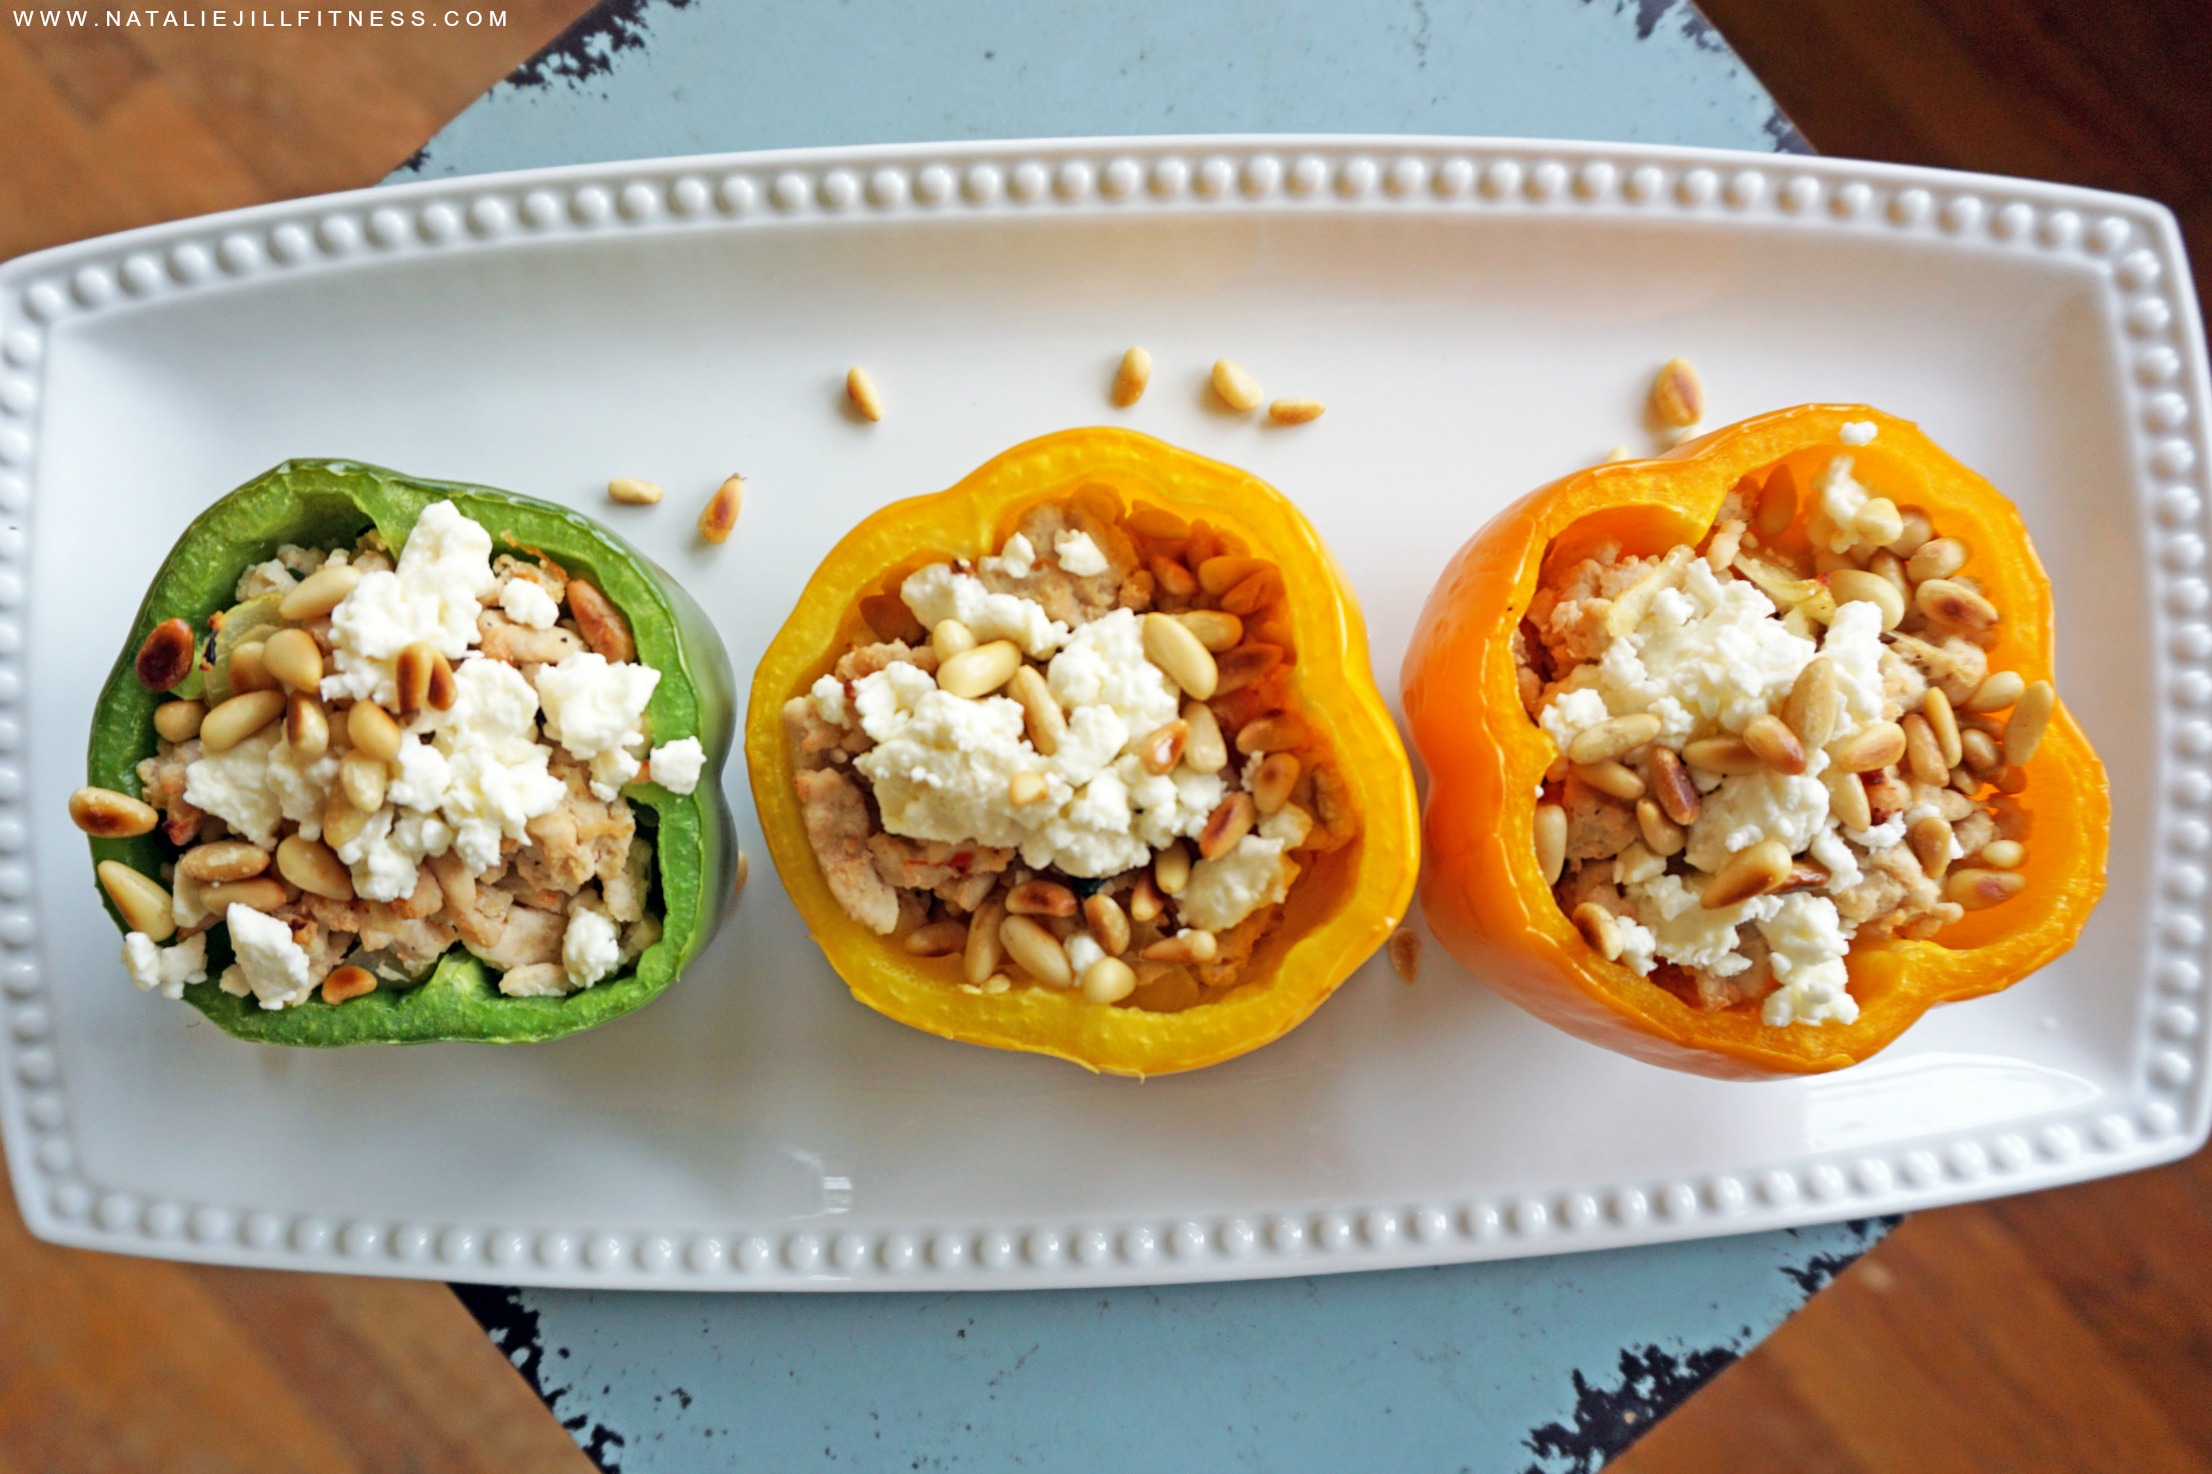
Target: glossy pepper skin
{"points": [[330, 503], [1341, 909], [1483, 893]]}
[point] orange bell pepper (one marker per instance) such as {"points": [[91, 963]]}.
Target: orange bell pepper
{"points": [[1343, 905], [1483, 892]]}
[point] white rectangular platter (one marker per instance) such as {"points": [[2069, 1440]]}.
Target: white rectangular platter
{"points": [[1479, 317]]}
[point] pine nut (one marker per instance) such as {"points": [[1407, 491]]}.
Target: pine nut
{"points": [[1109, 980], [1036, 951], [342, 822], [1777, 506], [718, 518], [936, 939], [317, 594], [1751, 872], [1878, 522], [1026, 788], [1162, 750], [1612, 737], [363, 778], [1207, 751], [1131, 379], [249, 670], [1272, 782], [239, 718], [1296, 411], [1913, 534], [890, 619], [632, 492], [1171, 578], [105, 814], [1224, 571], [1170, 645], [1814, 707], [223, 859], [1727, 756], [2004, 854], [1255, 593], [139, 898], [1874, 746], [1770, 738], [310, 865], [1856, 585], [1938, 558], [1189, 946], [1671, 784], [1171, 869], [306, 725], [348, 983], [2031, 717], [1998, 690], [1923, 755], [1662, 836], [1599, 929], [1245, 664], [1945, 724], [1614, 779], [1931, 837], [603, 626], [1145, 901], [1847, 800], [1040, 898], [861, 390], [1230, 821], [1551, 841], [1156, 523], [1977, 890], [411, 681], [1238, 389], [1278, 731], [258, 894], [1954, 605], [372, 730], [294, 659], [977, 673], [1677, 397], [744, 869], [1046, 724], [1216, 630], [982, 951], [1108, 923], [179, 721], [444, 690], [951, 638], [1978, 750], [1890, 568], [167, 655]]}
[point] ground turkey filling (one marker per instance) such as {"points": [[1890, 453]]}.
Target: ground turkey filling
{"points": [[444, 766], [1777, 743], [1073, 762]]}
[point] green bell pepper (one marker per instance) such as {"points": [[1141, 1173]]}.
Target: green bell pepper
{"points": [[331, 503]]}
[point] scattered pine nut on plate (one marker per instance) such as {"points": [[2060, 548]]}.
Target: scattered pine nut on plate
{"points": [[632, 492], [860, 388], [719, 517]]}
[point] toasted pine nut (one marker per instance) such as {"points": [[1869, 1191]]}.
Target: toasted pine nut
{"points": [[1930, 836], [1040, 898], [166, 656], [1254, 593], [1612, 778], [258, 894], [1145, 901], [348, 983], [1036, 951], [978, 672], [364, 779], [1551, 841], [936, 939], [1677, 397], [318, 593], [1612, 737], [1749, 872], [1945, 724], [1890, 568], [223, 859], [1171, 869], [2011, 780], [372, 730], [1938, 558], [2031, 718], [1599, 929], [1170, 578], [744, 870], [1109, 980], [239, 718], [1728, 756], [306, 725], [1854, 585], [1876, 745], [310, 865], [861, 390], [1878, 522], [1847, 800], [1188, 946], [1108, 923], [1238, 389], [1998, 690], [1026, 787], [105, 814], [1671, 783], [604, 628], [632, 492], [1923, 754], [143, 904], [1224, 571], [1162, 750], [294, 659], [1978, 750], [1245, 664], [1777, 506], [1913, 533], [1278, 731], [1272, 782], [1662, 836], [951, 638], [1170, 645], [1132, 377], [249, 669], [1977, 890], [1216, 630], [1207, 751], [179, 721], [1775, 744], [1405, 954], [718, 518], [1230, 821], [342, 822], [1047, 725], [2004, 854], [1814, 707], [1296, 411], [411, 679], [981, 953], [1952, 604], [1157, 523]]}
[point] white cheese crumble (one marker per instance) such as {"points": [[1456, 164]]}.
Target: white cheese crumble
{"points": [[270, 964], [1017, 560], [527, 603], [597, 711], [1858, 432], [1841, 497], [830, 704], [1078, 554], [1751, 808], [1809, 942], [938, 593], [433, 595], [497, 774], [590, 948], [676, 766], [165, 970], [271, 577]]}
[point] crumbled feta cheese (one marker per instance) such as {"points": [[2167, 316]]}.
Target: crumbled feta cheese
{"points": [[1078, 554], [1082, 951], [590, 948], [938, 593], [527, 603], [1858, 432], [1753, 807], [1223, 891], [1684, 932], [1853, 645], [433, 595], [1637, 864], [269, 962], [271, 577], [497, 778], [1017, 560], [424, 777], [596, 710], [386, 856], [256, 784], [1841, 497], [165, 970], [1830, 853], [1809, 943], [1103, 664], [830, 702], [185, 906], [676, 766]]}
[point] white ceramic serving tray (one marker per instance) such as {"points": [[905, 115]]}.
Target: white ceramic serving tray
{"points": [[1479, 317]]}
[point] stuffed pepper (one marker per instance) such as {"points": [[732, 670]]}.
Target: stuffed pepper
{"points": [[390, 760], [1743, 758], [1083, 757]]}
